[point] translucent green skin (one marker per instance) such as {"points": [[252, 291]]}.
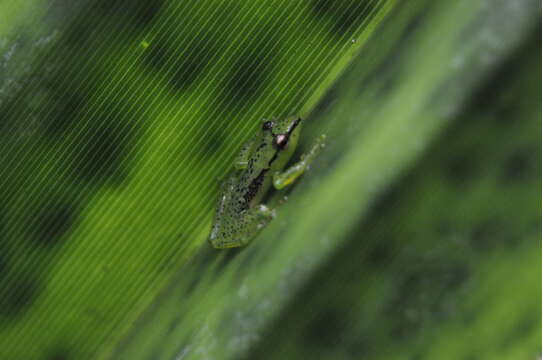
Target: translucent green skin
{"points": [[239, 214]]}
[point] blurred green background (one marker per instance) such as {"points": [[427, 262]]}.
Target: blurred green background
{"points": [[414, 236]]}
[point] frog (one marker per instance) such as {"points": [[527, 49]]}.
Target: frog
{"points": [[260, 164]]}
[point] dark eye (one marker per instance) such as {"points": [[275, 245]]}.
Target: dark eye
{"points": [[268, 125], [281, 140]]}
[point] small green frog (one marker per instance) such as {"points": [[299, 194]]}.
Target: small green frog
{"points": [[239, 214]]}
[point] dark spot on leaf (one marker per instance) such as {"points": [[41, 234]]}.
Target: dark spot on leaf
{"points": [[460, 168], [485, 234], [18, 296], [444, 229], [526, 325], [158, 54], [416, 356], [249, 73], [359, 347], [455, 276], [322, 8], [3, 255], [102, 154], [4, 115], [379, 254], [58, 353], [385, 202], [520, 331], [182, 62], [326, 328], [53, 222], [518, 166], [507, 110], [344, 18], [4, 264], [80, 32], [213, 142], [471, 357], [136, 13], [62, 108], [2, 224], [193, 61]]}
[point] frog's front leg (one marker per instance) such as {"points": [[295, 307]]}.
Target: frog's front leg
{"points": [[253, 222], [288, 176]]}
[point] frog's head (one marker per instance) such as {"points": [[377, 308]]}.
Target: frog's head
{"points": [[284, 132]]}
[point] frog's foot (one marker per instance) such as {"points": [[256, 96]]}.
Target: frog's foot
{"points": [[264, 214], [285, 178]]}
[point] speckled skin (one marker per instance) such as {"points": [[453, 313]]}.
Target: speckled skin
{"points": [[239, 215]]}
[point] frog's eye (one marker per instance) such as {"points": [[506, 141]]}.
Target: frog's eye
{"points": [[268, 125], [281, 140]]}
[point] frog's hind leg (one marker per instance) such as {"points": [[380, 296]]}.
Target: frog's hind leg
{"points": [[288, 176], [254, 221], [258, 219]]}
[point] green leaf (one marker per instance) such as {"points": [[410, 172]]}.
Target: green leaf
{"points": [[117, 133]]}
